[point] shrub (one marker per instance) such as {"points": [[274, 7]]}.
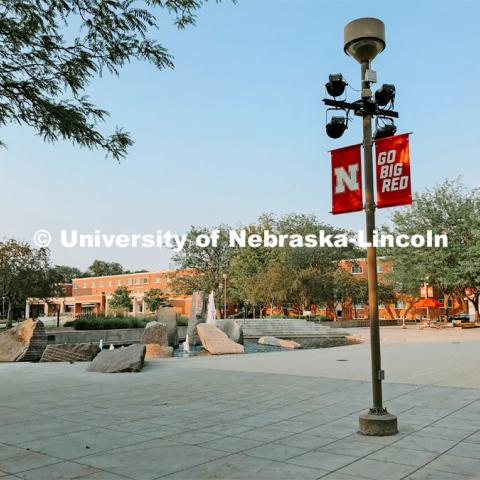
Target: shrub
{"points": [[182, 321], [105, 323]]}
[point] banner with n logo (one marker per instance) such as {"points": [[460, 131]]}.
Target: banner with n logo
{"points": [[346, 180]]}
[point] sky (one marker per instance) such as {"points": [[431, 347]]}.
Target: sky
{"points": [[238, 127]]}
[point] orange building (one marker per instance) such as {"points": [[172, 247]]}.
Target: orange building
{"points": [[91, 295]]}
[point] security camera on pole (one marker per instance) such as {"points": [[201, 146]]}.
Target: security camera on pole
{"points": [[364, 40]]}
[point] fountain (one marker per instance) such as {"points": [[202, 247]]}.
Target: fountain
{"points": [[185, 345], [211, 312]]}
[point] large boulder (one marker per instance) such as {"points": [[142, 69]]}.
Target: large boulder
{"points": [[216, 342], [153, 350], [198, 312], [278, 342], [23, 343], [128, 359], [231, 329], [155, 333], [168, 316], [79, 352]]}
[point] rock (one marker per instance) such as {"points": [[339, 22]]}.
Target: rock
{"points": [[79, 352], [215, 341], [168, 316], [23, 343], [128, 359], [153, 350], [198, 312], [278, 342], [155, 333], [231, 329]]}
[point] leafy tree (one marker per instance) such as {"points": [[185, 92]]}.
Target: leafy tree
{"points": [[155, 299], [52, 49], [120, 301], [99, 268], [202, 267], [67, 274], [24, 272], [449, 208]]}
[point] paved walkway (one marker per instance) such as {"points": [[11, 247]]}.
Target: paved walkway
{"points": [[289, 415]]}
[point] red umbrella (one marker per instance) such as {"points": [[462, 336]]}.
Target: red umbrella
{"points": [[427, 303]]}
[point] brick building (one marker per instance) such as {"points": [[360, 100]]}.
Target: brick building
{"points": [[91, 295]]}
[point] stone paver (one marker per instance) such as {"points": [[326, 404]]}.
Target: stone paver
{"points": [[187, 419]]}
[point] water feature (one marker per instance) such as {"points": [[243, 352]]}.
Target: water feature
{"points": [[211, 312]]}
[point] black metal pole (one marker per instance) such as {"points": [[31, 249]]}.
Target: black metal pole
{"points": [[377, 373]]}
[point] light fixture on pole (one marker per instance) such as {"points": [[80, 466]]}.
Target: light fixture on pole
{"points": [[388, 129], [225, 276], [364, 39], [336, 85], [336, 126]]}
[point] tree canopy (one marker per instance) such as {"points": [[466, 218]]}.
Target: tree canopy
{"points": [[25, 272], [51, 50], [448, 208]]}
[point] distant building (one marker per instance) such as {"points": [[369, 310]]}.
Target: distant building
{"points": [[91, 295]]}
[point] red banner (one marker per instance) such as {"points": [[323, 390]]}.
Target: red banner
{"points": [[393, 171], [346, 180]]}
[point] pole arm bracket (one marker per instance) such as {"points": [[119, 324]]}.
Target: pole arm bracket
{"points": [[361, 108]]}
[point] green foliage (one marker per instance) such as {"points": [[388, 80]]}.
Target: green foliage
{"points": [[52, 49], [182, 321], [67, 274], [448, 208], [203, 267], [264, 276], [120, 301], [155, 299], [99, 268], [25, 272], [87, 322]]}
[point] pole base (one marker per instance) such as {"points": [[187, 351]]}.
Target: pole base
{"points": [[378, 425]]}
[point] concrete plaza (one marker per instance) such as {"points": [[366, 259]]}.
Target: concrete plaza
{"points": [[281, 415]]}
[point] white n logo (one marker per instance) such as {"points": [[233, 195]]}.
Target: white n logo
{"points": [[344, 179]]}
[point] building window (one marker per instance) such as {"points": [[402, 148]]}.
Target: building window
{"points": [[74, 286], [356, 269], [101, 284], [145, 280], [157, 280], [129, 281], [359, 306], [379, 268], [84, 284], [140, 308], [449, 303], [109, 283], [400, 304], [92, 284], [119, 282]]}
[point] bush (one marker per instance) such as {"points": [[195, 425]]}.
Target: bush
{"points": [[319, 318], [182, 321], [105, 323]]}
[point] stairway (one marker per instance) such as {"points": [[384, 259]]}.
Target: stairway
{"points": [[285, 328]]}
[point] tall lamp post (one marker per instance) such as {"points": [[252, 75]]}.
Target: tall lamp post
{"points": [[225, 276], [364, 39]]}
